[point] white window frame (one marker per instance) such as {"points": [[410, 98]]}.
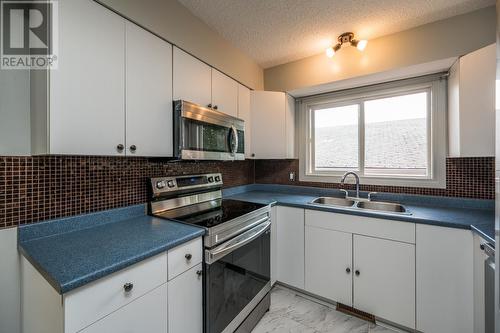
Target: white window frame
{"points": [[435, 85]]}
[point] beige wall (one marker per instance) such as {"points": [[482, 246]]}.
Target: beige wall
{"points": [[175, 23], [434, 41]]}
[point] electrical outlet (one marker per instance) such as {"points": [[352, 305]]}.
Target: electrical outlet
{"points": [[292, 176]]}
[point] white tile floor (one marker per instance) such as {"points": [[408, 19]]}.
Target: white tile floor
{"points": [[291, 312]]}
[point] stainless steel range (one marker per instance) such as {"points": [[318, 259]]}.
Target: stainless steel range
{"points": [[237, 247]]}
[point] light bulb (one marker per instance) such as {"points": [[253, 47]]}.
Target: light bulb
{"points": [[362, 44], [330, 52]]}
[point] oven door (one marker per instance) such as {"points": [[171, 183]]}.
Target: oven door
{"points": [[206, 134], [237, 277]]}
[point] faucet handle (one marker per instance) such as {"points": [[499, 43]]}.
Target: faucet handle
{"points": [[345, 192], [370, 195]]}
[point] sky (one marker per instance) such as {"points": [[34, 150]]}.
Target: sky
{"points": [[412, 106]]}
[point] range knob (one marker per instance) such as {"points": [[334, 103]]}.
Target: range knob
{"points": [[217, 178], [210, 179], [170, 183], [160, 184]]}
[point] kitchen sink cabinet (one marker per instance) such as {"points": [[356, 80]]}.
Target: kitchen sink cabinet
{"points": [[328, 264], [444, 276], [384, 279], [273, 125], [290, 246], [111, 93]]}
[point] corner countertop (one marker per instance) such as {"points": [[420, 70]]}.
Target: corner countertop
{"points": [[74, 251], [474, 214]]}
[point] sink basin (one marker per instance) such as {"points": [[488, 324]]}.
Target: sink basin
{"points": [[382, 206], [332, 201]]}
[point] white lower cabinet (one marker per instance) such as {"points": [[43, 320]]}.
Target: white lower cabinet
{"points": [[185, 302], [328, 264], [145, 314], [384, 279], [274, 239], [139, 298], [290, 246], [445, 275]]}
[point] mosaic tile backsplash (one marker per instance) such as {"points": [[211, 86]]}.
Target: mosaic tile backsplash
{"points": [[45, 187], [468, 177]]}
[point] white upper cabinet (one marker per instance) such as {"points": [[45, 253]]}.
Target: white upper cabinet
{"points": [[384, 279], [273, 132], [149, 94], [224, 93], [471, 104], [244, 113], [192, 79], [87, 90]]}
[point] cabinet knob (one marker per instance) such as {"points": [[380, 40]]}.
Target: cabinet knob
{"points": [[215, 107], [253, 155], [348, 270], [128, 287], [209, 105], [188, 256], [199, 272], [120, 147], [133, 148], [357, 272]]}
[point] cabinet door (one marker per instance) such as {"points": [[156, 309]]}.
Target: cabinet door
{"points": [[290, 246], [290, 127], [145, 314], [87, 91], [224, 93], [274, 240], [244, 113], [268, 124], [445, 280], [192, 79], [385, 285], [149, 93], [185, 302], [328, 264]]}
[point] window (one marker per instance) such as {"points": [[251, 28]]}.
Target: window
{"points": [[391, 134]]}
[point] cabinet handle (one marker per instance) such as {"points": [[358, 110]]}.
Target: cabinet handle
{"points": [[199, 273], [348, 270], [128, 287], [357, 272], [133, 148], [215, 107], [120, 147], [188, 256]]}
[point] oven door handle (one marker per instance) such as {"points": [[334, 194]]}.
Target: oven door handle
{"points": [[220, 251]]}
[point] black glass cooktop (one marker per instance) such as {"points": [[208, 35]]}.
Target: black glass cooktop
{"points": [[228, 210]]}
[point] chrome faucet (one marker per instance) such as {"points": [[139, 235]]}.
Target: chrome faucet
{"points": [[357, 181]]}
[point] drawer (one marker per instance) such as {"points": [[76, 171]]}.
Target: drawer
{"points": [[183, 257], [91, 302], [145, 314], [361, 225]]}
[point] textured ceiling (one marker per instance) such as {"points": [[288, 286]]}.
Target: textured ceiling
{"points": [[274, 32]]}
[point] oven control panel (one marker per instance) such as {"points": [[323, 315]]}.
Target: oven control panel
{"points": [[161, 185]]}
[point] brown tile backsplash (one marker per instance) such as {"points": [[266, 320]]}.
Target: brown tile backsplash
{"points": [[44, 187], [470, 177]]}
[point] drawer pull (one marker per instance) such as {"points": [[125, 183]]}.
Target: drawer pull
{"points": [[128, 287], [199, 272], [188, 256], [348, 270], [357, 272]]}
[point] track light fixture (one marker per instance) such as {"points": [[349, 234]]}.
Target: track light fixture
{"points": [[346, 37]]}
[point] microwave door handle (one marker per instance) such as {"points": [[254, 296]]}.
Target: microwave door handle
{"points": [[234, 140], [212, 256]]}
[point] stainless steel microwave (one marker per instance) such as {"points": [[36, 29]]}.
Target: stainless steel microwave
{"points": [[202, 133]]}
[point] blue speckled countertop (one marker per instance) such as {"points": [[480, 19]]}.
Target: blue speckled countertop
{"points": [[478, 215], [74, 251]]}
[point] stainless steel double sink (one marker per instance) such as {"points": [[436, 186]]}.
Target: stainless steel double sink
{"points": [[362, 204]]}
